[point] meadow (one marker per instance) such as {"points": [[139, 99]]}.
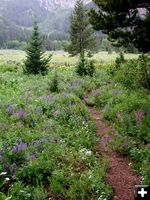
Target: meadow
{"points": [[48, 141], [61, 57]]}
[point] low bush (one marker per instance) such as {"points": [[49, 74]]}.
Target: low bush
{"points": [[134, 73], [54, 85], [85, 67]]}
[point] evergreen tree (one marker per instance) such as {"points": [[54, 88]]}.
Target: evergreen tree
{"points": [[36, 62], [125, 22], [81, 33]]}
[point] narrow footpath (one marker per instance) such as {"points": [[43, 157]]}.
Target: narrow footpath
{"points": [[119, 174]]}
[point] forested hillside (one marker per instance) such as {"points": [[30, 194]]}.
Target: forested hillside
{"points": [[16, 19]]}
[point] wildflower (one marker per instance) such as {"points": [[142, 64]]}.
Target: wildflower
{"points": [[6, 146], [142, 178], [3, 173], [10, 109], [7, 168], [88, 153], [19, 147], [130, 164], [96, 92], [21, 114], [14, 166], [31, 157]]}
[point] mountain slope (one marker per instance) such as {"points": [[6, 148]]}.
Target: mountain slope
{"points": [[23, 12], [54, 4], [17, 16]]}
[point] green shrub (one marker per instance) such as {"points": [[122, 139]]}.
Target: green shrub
{"points": [[123, 144], [119, 60], [54, 85], [85, 67], [21, 192], [144, 65], [80, 68], [134, 73], [90, 68]]}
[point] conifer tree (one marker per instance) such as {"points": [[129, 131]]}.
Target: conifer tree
{"points": [[36, 62], [124, 21], [81, 33]]}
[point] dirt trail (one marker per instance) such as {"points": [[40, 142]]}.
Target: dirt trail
{"points": [[119, 175]]}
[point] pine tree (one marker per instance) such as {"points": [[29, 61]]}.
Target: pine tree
{"points": [[81, 33], [124, 21], [36, 62]]}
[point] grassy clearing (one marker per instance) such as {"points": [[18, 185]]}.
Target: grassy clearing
{"points": [[60, 57]]}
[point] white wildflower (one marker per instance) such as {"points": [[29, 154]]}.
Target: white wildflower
{"points": [[3, 173], [88, 153]]}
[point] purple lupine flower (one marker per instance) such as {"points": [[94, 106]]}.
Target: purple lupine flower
{"points": [[23, 146], [14, 166], [15, 149], [57, 112], [96, 92], [49, 97], [19, 147], [6, 146], [21, 114], [7, 168], [31, 157], [10, 109]]}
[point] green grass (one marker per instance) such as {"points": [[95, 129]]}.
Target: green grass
{"points": [[60, 57], [48, 140]]}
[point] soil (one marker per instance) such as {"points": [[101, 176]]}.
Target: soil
{"points": [[119, 175]]}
